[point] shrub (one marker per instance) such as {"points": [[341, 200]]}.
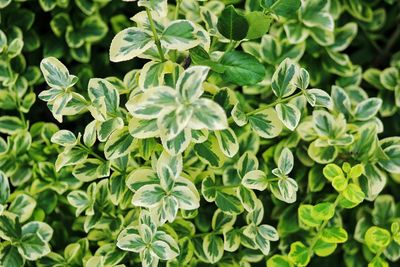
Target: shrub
{"points": [[244, 133]]}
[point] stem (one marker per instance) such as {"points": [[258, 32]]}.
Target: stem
{"points": [[230, 46], [178, 5], [155, 35], [392, 40], [278, 101], [374, 44], [97, 156], [322, 227], [18, 101]]}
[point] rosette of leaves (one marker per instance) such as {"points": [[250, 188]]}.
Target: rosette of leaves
{"points": [[322, 220], [165, 191], [152, 244], [219, 99], [21, 241], [378, 231], [387, 81]]}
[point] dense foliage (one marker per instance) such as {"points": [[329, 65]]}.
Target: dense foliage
{"points": [[227, 133]]}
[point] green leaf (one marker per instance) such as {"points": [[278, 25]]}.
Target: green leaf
{"points": [[306, 216], [377, 238], [9, 255], [56, 74], [324, 123], [3, 39], [172, 122], [228, 142], [209, 152], [93, 29], [378, 262], [389, 78], [298, 254], [285, 8], [354, 194], [331, 171], [187, 196], [79, 200], [319, 98], [289, 115], [323, 211], [33, 247], [160, 7], [179, 35], [259, 24], [208, 115], [148, 196], [255, 180], [384, 209], [98, 88], [150, 104], [392, 162], [42, 229], [286, 161], [232, 25], [339, 183], [247, 162], [179, 143], [283, 80], [213, 247], [208, 190], [314, 14], [4, 188], [324, 249], [222, 221], [190, 82], [163, 250], [247, 197], [279, 261], [4, 3], [23, 206], [118, 144], [70, 156], [143, 128], [242, 68], [285, 190], [367, 109], [231, 240], [64, 138], [91, 169], [130, 43], [10, 228], [228, 203], [266, 123], [10, 124], [334, 235]]}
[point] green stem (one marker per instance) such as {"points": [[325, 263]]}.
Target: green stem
{"points": [[17, 100], [322, 227], [372, 41], [155, 35], [237, 185], [178, 5], [176, 16], [97, 156], [278, 101], [392, 40], [230, 46]]}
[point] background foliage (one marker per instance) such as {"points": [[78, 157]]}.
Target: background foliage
{"points": [[228, 133]]}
